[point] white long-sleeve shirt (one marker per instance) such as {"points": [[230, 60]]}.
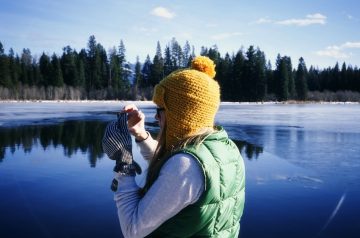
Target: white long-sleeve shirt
{"points": [[180, 183]]}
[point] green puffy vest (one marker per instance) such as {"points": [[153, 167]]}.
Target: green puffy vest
{"points": [[218, 211]]}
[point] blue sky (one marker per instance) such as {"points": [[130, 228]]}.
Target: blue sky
{"points": [[323, 32]]}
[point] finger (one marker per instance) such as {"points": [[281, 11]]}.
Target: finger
{"points": [[130, 108], [133, 119], [133, 115], [141, 115]]}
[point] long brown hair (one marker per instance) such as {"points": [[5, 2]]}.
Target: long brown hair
{"points": [[162, 154]]}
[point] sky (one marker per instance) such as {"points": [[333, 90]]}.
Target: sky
{"points": [[323, 32]]}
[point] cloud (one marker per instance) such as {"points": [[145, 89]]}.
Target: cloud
{"points": [[339, 51], [310, 19], [225, 35], [350, 45], [263, 21], [333, 53], [162, 12]]}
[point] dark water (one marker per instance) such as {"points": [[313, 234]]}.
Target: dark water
{"points": [[302, 164]]}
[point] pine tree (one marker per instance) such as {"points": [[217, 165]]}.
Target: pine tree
{"points": [[269, 79], [45, 70], [351, 79], [81, 65], [214, 54], [127, 74], [137, 78], [260, 71], [30, 72], [284, 81], [158, 50], [282, 78], [313, 79], [68, 67], [356, 80], [236, 82], [122, 51], [187, 55], [343, 78], [5, 79], [204, 51], [193, 55], [334, 83], [177, 56], [249, 80], [168, 64], [25, 64], [36, 74], [103, 69], [291, 81], [122, 63], [301, 80], [13, 68], [94, 65], [114, 75], [57, 77], [254, 81], [146, 73], [157, 67], [224, 77], [2, 51]]}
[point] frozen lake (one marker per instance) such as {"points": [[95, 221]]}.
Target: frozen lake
{"points": [[302, 168]]}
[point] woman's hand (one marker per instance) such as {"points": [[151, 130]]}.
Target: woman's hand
{"points": [[136, 122]]}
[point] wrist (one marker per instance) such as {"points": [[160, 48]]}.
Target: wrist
{"points": [[142, 136]]}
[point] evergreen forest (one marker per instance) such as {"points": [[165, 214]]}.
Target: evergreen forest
{"points": [[94, 73]]}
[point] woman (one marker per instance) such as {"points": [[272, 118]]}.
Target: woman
{"points": [[195, 185]]}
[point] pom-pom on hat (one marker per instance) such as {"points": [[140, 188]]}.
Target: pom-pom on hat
{"points": [[191, 98]]}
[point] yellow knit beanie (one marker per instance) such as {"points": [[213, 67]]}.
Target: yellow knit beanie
{"points": [[191, 98]]}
